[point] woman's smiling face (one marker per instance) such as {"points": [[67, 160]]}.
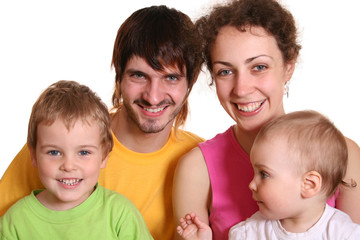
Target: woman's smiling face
{"points": [[250, 75]]}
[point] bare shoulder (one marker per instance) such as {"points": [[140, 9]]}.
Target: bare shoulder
{"points": [[192, 169], [349, 197], [191, 191], [353, 169], [192, 160], [352, 144]]}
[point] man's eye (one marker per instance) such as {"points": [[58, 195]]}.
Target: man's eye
{"points": [[172, 78], [138, 75], [54, 153]]}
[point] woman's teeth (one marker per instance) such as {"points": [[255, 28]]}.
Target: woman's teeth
{"points": [[250, 107]]}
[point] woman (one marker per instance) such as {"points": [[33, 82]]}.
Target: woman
{"points": [[250, 48]]}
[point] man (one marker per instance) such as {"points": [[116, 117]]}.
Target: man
{"points": [[157, 60]]}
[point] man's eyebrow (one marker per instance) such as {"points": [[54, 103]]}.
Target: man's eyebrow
{"points": [[135, 71], [176, 74]]}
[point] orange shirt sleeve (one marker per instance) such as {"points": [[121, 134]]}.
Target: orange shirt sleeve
{"points": [[19, 179]]}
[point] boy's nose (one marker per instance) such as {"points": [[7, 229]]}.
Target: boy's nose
{"points": [[68, 164]]}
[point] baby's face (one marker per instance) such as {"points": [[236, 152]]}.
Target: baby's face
{"points": [[276, 185], [68, 162]]}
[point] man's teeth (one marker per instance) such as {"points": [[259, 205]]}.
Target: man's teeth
{"points": [[154, 110], [250, 107], [69, 182]]}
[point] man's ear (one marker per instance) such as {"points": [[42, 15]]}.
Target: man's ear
{"points": [[33, 157], [311, 184]]}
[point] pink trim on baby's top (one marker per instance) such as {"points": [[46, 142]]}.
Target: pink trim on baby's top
{"points": [[332, 200]]}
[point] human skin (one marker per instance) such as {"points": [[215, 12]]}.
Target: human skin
{"points": [[281, 190], [191, 228], [349, 197], [68, 161], [248, 69], [250, 75], [151, 101], [249, 79]]}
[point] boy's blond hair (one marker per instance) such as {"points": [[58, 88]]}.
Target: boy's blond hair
{"points": [[70, 101], [315, 142]]}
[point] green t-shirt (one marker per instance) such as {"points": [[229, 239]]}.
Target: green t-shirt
{"points": [[104, 215]]}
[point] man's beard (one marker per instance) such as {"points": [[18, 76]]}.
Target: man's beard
{"points": [[150, 125]]}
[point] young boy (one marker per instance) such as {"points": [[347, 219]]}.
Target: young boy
{"points": [[299, 160], [69, 139]]}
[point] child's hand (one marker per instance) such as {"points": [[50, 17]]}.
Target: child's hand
{"points": [[191, 228]]}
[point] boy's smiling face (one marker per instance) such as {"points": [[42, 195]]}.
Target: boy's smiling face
{"points": [[68, 161]]}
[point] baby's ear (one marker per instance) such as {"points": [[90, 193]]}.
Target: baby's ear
{"points": [[33, 157], [311, 184]]}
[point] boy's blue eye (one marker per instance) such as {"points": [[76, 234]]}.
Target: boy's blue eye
{"points": [[54, 153], [84, 153]]}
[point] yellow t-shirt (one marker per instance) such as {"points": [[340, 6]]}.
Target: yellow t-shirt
{"points": [[145, 178]]}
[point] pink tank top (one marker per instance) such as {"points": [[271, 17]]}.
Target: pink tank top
{"points": [[230, 173]]}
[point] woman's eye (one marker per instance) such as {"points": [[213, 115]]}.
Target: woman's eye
{"points": [[224, 72], [260, 68], [84, 153], [54, 153]]}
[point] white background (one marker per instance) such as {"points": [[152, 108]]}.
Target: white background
{"points": [[44, 41]]}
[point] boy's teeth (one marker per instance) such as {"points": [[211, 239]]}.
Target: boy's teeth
{"points": [[250, 107], [69, 182], [154, 110]]}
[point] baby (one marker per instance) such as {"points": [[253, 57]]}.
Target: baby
{"points": [[299, 160]]}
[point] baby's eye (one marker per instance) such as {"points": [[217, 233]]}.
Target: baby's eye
{"points": [[264, 174], [54, 153], [84, 153]]}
